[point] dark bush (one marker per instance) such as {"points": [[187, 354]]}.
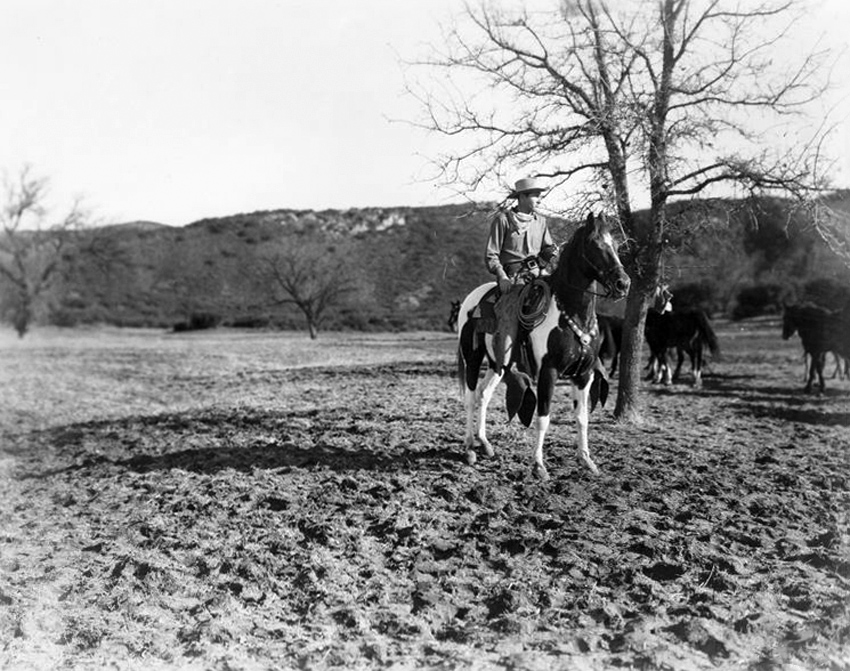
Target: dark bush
{"points": [[695, 295], [198, 321], [64, 317], [827, 292], [758, 299], [251, 322]]}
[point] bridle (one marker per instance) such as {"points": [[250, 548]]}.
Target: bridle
{"points": [[607, 277]]}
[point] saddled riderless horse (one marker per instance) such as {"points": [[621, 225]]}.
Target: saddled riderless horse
{"points": [[563, 343]]}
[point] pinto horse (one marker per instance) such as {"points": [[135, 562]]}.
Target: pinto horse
{"points": [[563, 343], [821, 331], [689, 332]]}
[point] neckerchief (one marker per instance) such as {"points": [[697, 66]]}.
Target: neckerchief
{"points": [[520, 220]]}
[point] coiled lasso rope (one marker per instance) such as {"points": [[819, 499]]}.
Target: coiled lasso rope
{"points": [[533, 303]]}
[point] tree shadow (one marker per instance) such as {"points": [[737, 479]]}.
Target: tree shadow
{"points": [[238, 439], [286, 457], [783, 403], [812, 416]]}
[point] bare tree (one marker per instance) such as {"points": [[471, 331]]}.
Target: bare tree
{"points": [[31, 246], [672, 98], [309, 272], [832, 225]]}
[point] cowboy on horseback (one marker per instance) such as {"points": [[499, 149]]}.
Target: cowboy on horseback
{"points": [[518, 235], [519, 247]]}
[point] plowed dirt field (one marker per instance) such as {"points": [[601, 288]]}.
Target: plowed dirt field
{"points": [[237, 500]]}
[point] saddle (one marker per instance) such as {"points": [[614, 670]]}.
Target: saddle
{"points": [[526, 304]]}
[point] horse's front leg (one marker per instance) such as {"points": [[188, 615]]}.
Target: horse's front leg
{"points": [[680, 360], [811, 376], [546, 380], [582, 410], [821, 364], [476, 425], [696, 365], [665, 367]]}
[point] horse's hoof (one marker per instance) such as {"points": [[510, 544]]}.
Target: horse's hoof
{"points": [[489, 452], [540, 472], [471, 457]]}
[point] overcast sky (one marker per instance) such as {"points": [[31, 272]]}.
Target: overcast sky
{"points": [[175, 110]]}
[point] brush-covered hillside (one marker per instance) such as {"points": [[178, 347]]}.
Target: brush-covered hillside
{"points": [[400, 268]]}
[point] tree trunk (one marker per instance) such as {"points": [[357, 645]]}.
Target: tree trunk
{"points": [[629, 407], [645, 276], [314, 331]]}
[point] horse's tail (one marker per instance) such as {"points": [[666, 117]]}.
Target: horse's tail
{"points": [[707, 333]]}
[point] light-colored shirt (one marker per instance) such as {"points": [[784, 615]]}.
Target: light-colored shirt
{"points": [[511, 240]]}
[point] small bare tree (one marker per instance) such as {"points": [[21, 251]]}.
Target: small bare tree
{"points": [[310, 272], [671, 98], [31, 246]]}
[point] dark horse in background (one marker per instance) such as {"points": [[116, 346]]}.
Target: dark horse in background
{"points": [[563, 343], [451, 322], [688, 332], [611, 328], [821, 331]]}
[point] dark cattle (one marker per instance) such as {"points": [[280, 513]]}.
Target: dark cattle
{"points": [[688, 332], [821, 331]]}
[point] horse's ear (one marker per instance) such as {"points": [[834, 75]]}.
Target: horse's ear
{"points": [[589, 221]]}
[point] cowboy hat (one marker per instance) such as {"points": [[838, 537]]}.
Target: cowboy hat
{"points": [[527, 185]]}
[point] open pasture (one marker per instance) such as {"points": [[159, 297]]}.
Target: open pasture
{"points": [[243, 500]]}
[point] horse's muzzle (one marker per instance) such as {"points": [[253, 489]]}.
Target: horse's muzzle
{"points": [[620, 285]]}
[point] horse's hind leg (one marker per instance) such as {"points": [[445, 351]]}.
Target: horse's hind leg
{"points": [[476, 423]]}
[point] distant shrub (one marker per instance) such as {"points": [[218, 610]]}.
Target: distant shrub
{"points": [[827, 292], [65, 317], [758, 299], [353, 320], [250, 322], [198, 321]]}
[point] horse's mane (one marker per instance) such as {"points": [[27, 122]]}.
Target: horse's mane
{"points": [[566, 256], [568, 248]]}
